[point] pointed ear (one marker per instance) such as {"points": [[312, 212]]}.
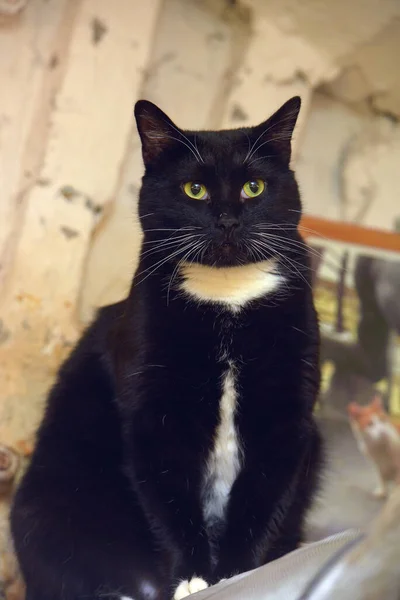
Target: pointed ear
{"points": [[156, 130], [278, 129], [353, 409], [377, 402]]}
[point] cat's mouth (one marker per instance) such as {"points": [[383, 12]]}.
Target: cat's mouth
{"points": [[231, 251], [227, 253]]}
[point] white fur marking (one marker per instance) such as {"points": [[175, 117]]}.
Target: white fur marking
{"points": [[224, 462], [377, 429], [185, 588], [232, 286]]}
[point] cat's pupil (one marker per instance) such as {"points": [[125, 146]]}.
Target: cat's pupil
{"points": [[254, 187], [195, 189]]}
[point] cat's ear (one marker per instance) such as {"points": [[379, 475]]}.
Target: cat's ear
{"points": [[353, 409], [278, 129], [156, 130], [377, 402]]}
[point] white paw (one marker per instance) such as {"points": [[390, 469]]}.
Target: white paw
{"points": [[185, 588], [379, 492]]}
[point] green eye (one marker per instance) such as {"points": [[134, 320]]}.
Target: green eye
{"points": [[252, 188], [195, 190]]}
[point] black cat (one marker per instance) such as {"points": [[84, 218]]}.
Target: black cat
{"points": [[178, 446]]}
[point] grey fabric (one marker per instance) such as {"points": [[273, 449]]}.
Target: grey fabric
{"points": [[352, 565], [283, 579]]}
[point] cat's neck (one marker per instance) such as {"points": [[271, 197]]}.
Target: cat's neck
{"points": [[232, 287]]}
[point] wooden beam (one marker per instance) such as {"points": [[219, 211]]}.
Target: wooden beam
{"points": [[349, 233]]}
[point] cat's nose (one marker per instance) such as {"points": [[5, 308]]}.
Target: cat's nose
{"points": [[227, 222]]}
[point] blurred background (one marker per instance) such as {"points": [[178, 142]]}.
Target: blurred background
{"points": [[70, 169]]}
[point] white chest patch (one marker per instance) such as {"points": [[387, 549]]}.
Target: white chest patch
{"points": [[232, 286], [223, 464]]}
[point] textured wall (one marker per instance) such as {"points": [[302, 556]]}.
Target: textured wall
{"points": [[70, 165], [70, 161]]}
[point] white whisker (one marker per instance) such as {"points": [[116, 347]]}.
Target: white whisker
{"points": [[173, 229], [254, 149], [168, 244], [293, 244], [292, 263], [189, 144], [161, 262], [182, 260]]}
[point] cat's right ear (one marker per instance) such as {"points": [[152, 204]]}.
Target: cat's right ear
{"points": [[377, 402], [278, 129], [353, 409], [155, 128]]}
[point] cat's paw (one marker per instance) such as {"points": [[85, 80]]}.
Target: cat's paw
{"points": [[186, 587], [380, 493]]}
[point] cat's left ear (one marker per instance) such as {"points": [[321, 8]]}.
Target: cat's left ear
{"points": [[353, 409], [377, 402], [277, 131], [157, 131]]}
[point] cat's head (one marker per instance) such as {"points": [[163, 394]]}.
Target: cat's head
{"points": [[369, 416], [221, 198]]}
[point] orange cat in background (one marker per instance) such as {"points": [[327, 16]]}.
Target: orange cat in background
{"points": [[379, 439]]}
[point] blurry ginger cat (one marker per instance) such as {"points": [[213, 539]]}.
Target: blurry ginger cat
{"points": [[378, 438]]}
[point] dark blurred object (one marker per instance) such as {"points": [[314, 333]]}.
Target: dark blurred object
{"points": [[366, 570], [361, 364], [341, 293]]}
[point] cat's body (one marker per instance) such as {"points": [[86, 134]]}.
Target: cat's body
{"points": [[178, 446], [378, 438]]}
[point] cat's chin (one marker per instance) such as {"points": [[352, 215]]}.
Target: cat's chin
{"points": [[222, 262], [226, 255], [226, 262]]}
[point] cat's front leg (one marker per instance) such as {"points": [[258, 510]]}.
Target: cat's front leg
{"points": [[164, 468], [268, 501], [381, 490], [186, 587]]}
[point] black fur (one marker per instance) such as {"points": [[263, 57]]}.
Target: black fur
{"points": [[111, 503]]}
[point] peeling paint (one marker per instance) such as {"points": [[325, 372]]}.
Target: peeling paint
{"points": [[54, 61], [99, 29], [4, 332], [69, 192], [69, 232], [43, 182], [238, 113], [90, 204], [216, 36]]}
